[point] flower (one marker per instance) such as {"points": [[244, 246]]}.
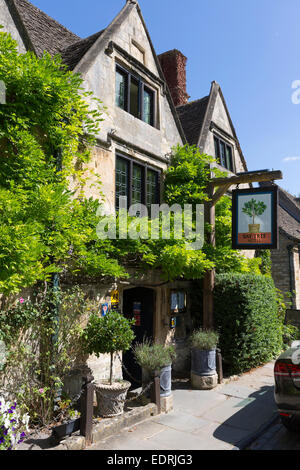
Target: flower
{"points": [[22, 300], [41, 390]]}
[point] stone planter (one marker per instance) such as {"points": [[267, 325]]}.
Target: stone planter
{"points": [[203, 371], [254, 228], [111, 398], [165, 376]]}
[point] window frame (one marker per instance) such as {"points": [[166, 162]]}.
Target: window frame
{"points": [[218, 142], [142, 86], [145, 168]]}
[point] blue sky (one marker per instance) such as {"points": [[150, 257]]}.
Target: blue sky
{"points": [[250, 47]]}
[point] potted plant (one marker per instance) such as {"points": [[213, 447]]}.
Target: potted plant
{"points": [[156, 360], [253, 209], [107, 335], [203, 355]]}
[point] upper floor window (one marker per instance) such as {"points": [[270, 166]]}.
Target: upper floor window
{"points": [[224, 154], [133, 95], [136, 181]]}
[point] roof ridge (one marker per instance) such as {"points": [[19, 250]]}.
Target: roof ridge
{"points": [[192, 102], [48, 16], [81, 40]]}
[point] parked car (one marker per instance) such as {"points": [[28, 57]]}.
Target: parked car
{"points": [[287, 387]]}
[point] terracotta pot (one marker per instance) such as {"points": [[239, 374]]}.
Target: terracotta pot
{"points": [[111, 398], [254, 228]]}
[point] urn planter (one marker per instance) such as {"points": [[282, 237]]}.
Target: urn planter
{"points": [[203, 359], [165, 375], [204, 362], [111, 398]]}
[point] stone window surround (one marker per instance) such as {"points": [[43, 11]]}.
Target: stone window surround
{"points": [[227, 141], [142, 84], [145, 166]]}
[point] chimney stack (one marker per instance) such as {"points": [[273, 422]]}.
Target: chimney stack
{"points": [[173, 64]]}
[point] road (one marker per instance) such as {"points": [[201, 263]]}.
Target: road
{"points": [[277, 437]]}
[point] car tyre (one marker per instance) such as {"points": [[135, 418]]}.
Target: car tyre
{"points": [[291, 423]]}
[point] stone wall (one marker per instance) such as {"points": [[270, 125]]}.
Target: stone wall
{"points": [[9, 26], [286, 268]]}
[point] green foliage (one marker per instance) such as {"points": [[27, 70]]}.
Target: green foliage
{"points": [[153, 356], [187, 177], [108, 334], [41, 349], [246, 316], [47, 128], [204, 339], [289, 332], [266, 262], [186, 182]]}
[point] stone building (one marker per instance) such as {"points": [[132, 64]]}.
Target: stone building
{"points": [[206, 122], [119, 65], [286, 260], [147, 114]]}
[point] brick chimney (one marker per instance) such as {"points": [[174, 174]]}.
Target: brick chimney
{"points": [[173, 64]]}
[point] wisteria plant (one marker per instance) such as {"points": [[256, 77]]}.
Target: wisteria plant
{"points": [[12, 425]]}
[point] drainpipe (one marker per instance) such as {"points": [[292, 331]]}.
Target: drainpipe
{"points": [[290, 249], [55, 276]]}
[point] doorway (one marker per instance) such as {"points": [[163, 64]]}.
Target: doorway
{"points": [[138, 302]]}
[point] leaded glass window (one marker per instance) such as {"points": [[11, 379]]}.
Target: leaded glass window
{"points": [[122, 179], [133, 96], [152, 188], [224, 154], [121, 89], [137, 184], [148, 106]]}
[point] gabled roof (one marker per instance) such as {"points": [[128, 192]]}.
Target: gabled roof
{"points": [[39, 31], [196, 118], [73, 54], [288, 213], [192, 117], [42, 33]]}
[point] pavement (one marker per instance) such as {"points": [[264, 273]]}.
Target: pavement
{"points": [[230, 417]]}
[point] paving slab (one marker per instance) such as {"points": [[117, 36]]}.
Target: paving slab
{"points": [[206, 419], [182, 422]]}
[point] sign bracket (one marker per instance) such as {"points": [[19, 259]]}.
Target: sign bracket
{"points": [[223, 185]]}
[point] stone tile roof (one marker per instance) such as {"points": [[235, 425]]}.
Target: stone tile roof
{"points": [[41, 31], [191, 116], [288, 213], [74, 53]]}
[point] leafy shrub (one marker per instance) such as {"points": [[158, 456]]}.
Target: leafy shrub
{"points": [[108, 334], [204, 339], [246, 316], [41, 349], [153, 357]]}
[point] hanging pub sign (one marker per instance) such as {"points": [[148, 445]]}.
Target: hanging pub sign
{"points": [[254, 218]]}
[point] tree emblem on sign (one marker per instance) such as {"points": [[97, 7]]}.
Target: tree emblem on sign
{"points": [[254, 209]]}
